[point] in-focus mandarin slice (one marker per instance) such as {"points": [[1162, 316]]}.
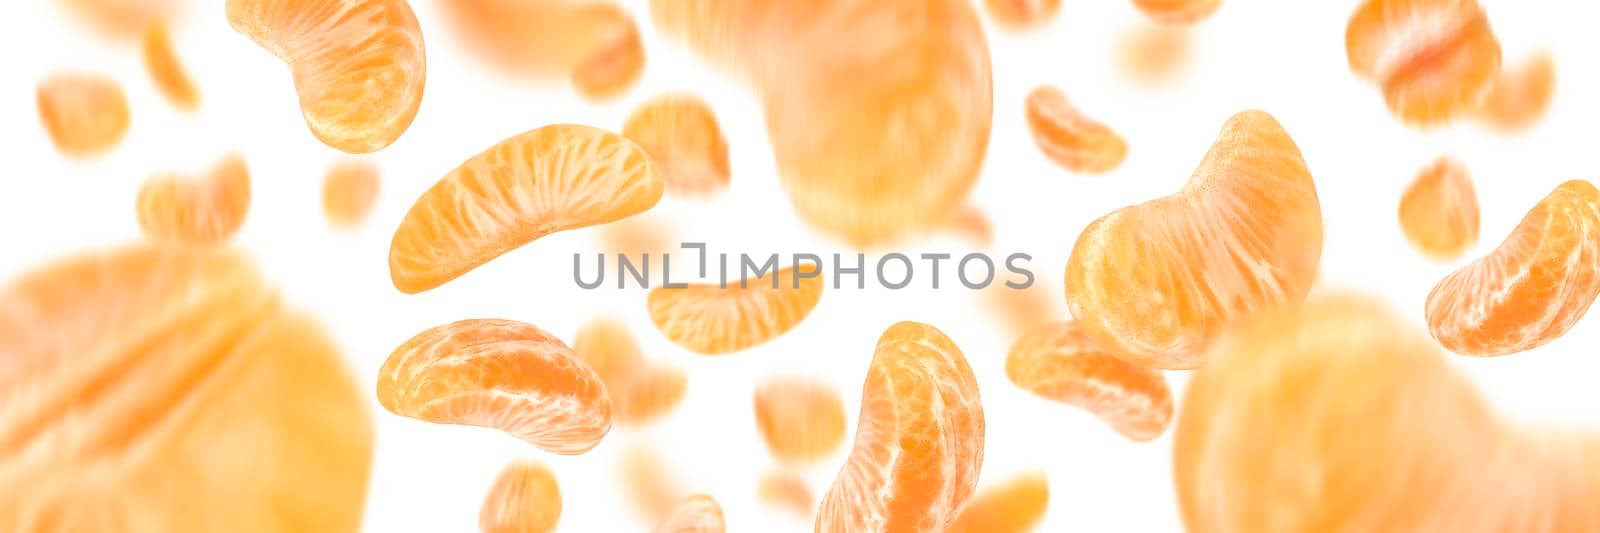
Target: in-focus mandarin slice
{"points": [[167, 71], [498, 374], [1531, 289], [919, 439], [133, 398], [203, 210], [1153, 54], [550, 179], [697, 514], [1433, 58], [1015, 506], [715, 320], [124, 20], [1022, 14], [801, 420], [358, 65], [648, 486], [1018, 311], [1068, 137], [1519, 96], [84, 114], [1155, 282], [681, 133], [349, 191], [1439, 210], [613, 67], [639, 393], [787, 491], [971, 224], [1177, 11], [524, 499], [1059, 362]]}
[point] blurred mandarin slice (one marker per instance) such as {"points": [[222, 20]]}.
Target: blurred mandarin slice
{"points": [[697, 514], [1155, 282], [1439, 211], [1020, 310], [638, 236], [919, 439], [1519, 97], [786, 491], [650, 394], [358, 65], [1532, 288], [681, 133], [84, 114], [639, 393], [1015, 506], [123, 19], [524, 499], [1153, 54], [613, 67], [647, 484], [204, 210], [349, 191], [539, 40], [132, 387], [801, 420], [1059, 362], [1068, 137], [714, 320], [167, 71], [972, 224], [1177, 11], [1022, 14], [546, 180], [498, 374], [1433, 58]]}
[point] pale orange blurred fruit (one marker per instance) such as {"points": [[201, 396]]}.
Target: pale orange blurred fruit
{"points": [[787, 491], [1153, 54], [498, 374], [1439, 210], [652, 490], [640, 393], [525, 498], [713, 320], [1532, 288], [358, 65], [971, 224], [1433, 58], [123, 20], [1020, 310], [85, 114], [647, 234], [681, 133], [650, 394], [919, 439], [1177, 11], [207, 209], [349, 191], [697, 514], [550, 179], [1022, 14], [1068, 137], [1059, 362], [1014, 506], [594, 43], [1519, 96], [801, 420], [167, 71], [1155, 282], [613, 67]]}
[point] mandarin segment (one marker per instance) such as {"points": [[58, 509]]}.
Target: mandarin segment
{"points": [[123, 19], [647, 485], [1022, 14], [1154, 54], [545, 40], [787, 491], [546, 180], [1015, 506], [639, 393], [167, 71], [697, 514], [919, 439], [1068, 137], [349, 191], [1439, 210], [525, 498], [1177, 11], [1020, 310], [801, 420], [971, 224], [1519, 96], [614, 66], [498, 374], [85, 114], [1531, 289], [1155, 282], [1059, 362], [203, 210], [650, 394], [681, 134], [714, 320], [1433, 58]]}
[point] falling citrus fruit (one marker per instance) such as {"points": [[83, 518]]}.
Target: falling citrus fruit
{"points": [[787, 491], [85, 114], [1058, 361], [204, 210], [1069, 138], [714, 320], [524, 499], [1433, 58], [1439, 210], [1022, 14], [167, 70], [349, 190], [1519, 96], [801, 420], [1014, 506], [697, 514], [681, 134]]}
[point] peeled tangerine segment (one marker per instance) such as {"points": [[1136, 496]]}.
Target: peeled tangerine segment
{"points": [[647, 483], [801, 420], [1058, 361], [204, 210], [713, 320], [358, 65], [919, 439], [134, 397], [1022, 14], [697, 514], [1433, 58], [84, 114], [123, 19], [1339, 416], [498, 374], [1519, 97], [1439, 210], [614, 66], [597, 43], [550, 179], [1178, 11], [640, 393], [681, 133], [1155, 282], [349, 191], [167, 71], [1069, 138], [1015, 506], [525, 498], [787, 491], [1531, 289]]}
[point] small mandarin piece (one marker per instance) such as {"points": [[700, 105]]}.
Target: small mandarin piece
{"points": [[1019, 310], [1068, 137], [1531, 289], [715, 320], [697, 514], [1153, 54], [972, 224], [787, 491], [204, 210], [637, 236], [681, 133], [1015, 506], [498, 374], [524, 499], [349, 190], [639, 393], [84, 114], [801, 420], [1439, 211], [1155, 282], [1272, 436], [143, 390], [878, 112], [648, 485], [614, 66], [1060, 362], [1519, 97], [1178, 11], [546, 40], [358, 65], [123, 19], [1022, 14], [167, 71], [550, 179], [1433, 58], [919, 439], [650, 394]]}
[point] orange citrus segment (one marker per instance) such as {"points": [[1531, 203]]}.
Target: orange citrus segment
{"points": [[1439, 210], [697, 514], [1178, 11], [123, 19], [786, 491], [972, 224], [358, 65], [206, 210], [167, 70], [919, 439], [1433, 58], [1020, 310], [637, 236], [1532, 288], [498, 374], [1022, 14], [1153, 283], [1015, 506], [1069, 138], [1059, 362], [613, 66], [1519, 97], [550, 179], [647, 484], [715, 320], [1153, 54], [681, 133], [84, 114], [650, 394], [524, 499], [639, 393], [349, 191], [801, 420], [597, 44]]}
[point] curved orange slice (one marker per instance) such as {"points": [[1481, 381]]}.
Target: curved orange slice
{"points": [[786, 491], [919, 439], [698, 514], [1519, 97], [647, 234], [196, 211], [681, 133], [1015, 506], [614, 66], [358, 65], [550, 179], [1439, 211], [1018, 311], [524, 499], [1155, 282], [596, 43], [84, 114], [1069, 138], [1531, 289], [167, 71], [123, 19], [1178, 11], [498, 374], [715, 320], [1153, 54], [1022, 14], [1433, 58], [647, 484], [639, 393], [349, 191], [1059, 362], [801, 420]]}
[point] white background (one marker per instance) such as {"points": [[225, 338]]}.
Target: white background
{"points": [[1286, 57]]}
